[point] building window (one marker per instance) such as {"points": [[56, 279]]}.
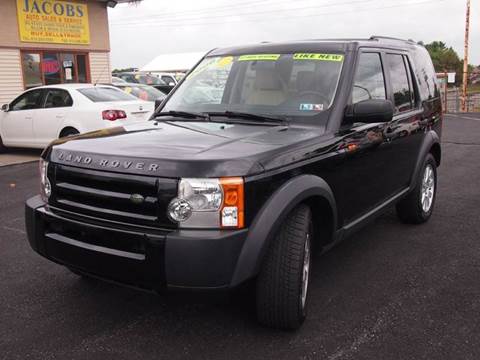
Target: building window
{"points": [[49, 68], [82, 68], [31, 70]]}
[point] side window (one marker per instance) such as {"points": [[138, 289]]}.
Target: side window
{"points": [[369, 82], [58, 98], [402, 92], [28, 101]]}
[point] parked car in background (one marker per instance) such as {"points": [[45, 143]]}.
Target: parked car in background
{"points": [[169, 78], [147, 79], [143, 92], [117, 80], [45, 113]]}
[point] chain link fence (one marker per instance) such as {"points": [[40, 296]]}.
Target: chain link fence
{"points": [[454, 101]]}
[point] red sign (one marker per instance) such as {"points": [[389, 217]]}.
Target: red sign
{"points": [[50, 66]]}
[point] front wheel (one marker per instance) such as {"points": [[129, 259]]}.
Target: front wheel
{"points": [[3, 149], [417, 207], [282, 284]]}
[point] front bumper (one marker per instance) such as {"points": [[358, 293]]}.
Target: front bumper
{"points": [[151, 259]]}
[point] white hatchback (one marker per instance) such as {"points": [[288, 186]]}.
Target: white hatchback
{"points": [[45, 113]]}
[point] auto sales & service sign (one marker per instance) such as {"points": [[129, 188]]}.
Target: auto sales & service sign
{"points": [[53, 21]]}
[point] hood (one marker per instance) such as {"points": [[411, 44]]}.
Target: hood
{"points": [[184, 149]]}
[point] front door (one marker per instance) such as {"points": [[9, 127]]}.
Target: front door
{"points": [[365, 173], [17, 123]]}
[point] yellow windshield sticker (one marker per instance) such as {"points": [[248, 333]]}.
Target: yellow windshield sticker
{"points": [[321, 57], [224, 61], [259, 57]]}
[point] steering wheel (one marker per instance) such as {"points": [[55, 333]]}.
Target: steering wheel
{"points": [[324, 99]]}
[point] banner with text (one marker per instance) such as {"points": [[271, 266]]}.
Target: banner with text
{"points": [[53, 21]]}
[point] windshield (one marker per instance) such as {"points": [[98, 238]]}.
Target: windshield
{"points": [[100, 94], [145, 92], [300, 84]]}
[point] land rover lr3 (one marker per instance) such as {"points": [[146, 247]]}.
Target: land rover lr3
{"points": [[261, 157]]}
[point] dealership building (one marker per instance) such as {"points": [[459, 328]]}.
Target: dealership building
{"points": [[47, 42]]}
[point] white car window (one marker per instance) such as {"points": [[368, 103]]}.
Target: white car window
{"points": [[101, 94], [28, 101], [58, 98]]}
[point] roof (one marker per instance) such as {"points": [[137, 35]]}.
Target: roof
{"points": [[173, 62], [112, 3], [73, 86], [313, 45]]}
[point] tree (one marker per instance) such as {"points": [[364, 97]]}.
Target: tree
{"points": [[445, 58]]}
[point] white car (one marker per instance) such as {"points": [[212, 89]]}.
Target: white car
{"points": [[45, 113]]}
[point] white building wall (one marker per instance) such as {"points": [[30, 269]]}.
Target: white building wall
{"points": [[100, 70], [11, 81]]}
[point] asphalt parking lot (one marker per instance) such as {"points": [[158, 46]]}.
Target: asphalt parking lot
{"points": [[392, 291]]}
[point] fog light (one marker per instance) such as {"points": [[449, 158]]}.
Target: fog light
{"points": [[47, 188], [179, 210], [230, 216]]}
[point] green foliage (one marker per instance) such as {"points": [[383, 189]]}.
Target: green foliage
{"points": [[445, 59]]}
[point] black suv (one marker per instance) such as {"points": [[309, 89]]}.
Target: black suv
{"points": [[261, 157]]}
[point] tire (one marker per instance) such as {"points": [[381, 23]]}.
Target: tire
{"points": [[69, 132], [75, 271], [417, 207], [3, 149], [279, 289]]}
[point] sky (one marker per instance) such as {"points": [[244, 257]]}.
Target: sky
{"points": [[139, 32]]}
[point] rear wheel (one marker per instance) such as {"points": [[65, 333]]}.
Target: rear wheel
{"points": [[417, 207], [69, 132], [282, 285]]}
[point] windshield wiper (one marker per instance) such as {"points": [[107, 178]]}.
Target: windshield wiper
{"points": [[249, 116], [183, 114]]}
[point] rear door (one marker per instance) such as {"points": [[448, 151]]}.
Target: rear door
{"points": [[405, 133], [57, 106], [17, 123]]}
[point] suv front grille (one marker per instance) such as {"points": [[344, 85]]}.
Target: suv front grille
{"points": [[106, 195]]}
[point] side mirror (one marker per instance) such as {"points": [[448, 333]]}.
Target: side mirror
{"points": [[5, 107], [370, 111]]}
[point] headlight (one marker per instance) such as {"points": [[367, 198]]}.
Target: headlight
{"points": [[45, 186], [208, 203]]}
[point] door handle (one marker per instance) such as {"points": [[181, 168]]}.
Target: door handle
{"points": [[59, 116], [28, 118]]}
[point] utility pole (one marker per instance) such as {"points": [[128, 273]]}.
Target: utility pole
{"points": [[465, 60]]}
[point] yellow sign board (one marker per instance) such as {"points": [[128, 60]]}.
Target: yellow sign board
{"points": [[53, 21]]}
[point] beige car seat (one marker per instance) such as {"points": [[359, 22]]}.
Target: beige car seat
{"points": [[268, 89]]}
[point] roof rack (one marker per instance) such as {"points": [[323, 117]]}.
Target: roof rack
{"points": [[376, 37]]}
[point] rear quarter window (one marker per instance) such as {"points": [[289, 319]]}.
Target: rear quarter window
{"points": [[101, 94], [425, 74]]}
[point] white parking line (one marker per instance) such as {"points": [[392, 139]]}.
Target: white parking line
{"points": [[462, 117]]}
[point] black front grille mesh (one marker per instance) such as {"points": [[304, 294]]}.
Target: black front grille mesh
{"points": [[106, 195]]}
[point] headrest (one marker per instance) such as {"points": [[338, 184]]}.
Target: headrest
{"points": [[57, 100], [267, 79], [306, 81]]}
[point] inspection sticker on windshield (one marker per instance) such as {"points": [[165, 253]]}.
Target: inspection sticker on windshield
{"points": [[321, 57], [259, 57], [311, 107]]}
